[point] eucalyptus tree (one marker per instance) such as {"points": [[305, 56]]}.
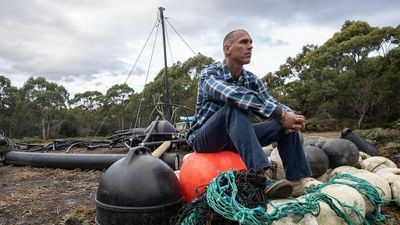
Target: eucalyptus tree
{"points": [[46, 101], [8, 104], [88, 100], [84, 114], [347, 77], [115, 110]]}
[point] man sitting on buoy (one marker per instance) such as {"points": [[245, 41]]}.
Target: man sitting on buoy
{"points": [[226, 95]]}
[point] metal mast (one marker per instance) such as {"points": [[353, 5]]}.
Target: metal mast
{"points": [[167, 100]]}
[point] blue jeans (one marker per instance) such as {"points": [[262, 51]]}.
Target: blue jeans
{"points": [[231, 129]]}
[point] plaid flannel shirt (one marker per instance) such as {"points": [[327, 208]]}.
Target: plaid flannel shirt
{"points": [[216, 88]]}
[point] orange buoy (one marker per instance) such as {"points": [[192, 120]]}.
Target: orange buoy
{"points": [[199, 168]]}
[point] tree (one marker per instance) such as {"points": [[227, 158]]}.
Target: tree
{"points": [[115, 102], [84, 115], [8, 101], [89, 100], [349, 76], [47, 99]]}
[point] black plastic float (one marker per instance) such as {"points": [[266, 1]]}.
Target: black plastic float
{"points": [[138, 189]]}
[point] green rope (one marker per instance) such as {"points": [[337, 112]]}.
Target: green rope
{"points": [[373, 194], [222, 191]]}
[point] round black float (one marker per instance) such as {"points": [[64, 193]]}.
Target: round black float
{"points": [[138, 189], [318, 160], [341, 152]]}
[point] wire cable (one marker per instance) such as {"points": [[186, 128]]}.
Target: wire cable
{"points": [[147, 75], [181, 37], [134, 65], [169, 46], [112, 107]]}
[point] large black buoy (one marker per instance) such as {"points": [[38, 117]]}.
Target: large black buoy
{"points": [[341, 152], [318, 160], [138, 189]]}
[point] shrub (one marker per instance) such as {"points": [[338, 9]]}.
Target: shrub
{"points": [[68, 129], [320, 125]]}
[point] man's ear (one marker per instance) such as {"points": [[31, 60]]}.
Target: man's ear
{"points": [[227, 49]]}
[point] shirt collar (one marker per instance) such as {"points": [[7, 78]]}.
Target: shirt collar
{"points": [[228, 75]]}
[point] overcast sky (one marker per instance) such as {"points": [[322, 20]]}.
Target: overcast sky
{"points": [[88, 45]]}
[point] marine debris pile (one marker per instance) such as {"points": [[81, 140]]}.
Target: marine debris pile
{"points": [[152, 136], [65, 144], [349, 187], [237, 198]]}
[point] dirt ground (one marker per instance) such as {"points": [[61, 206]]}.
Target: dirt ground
{"points": [[55, 196]]}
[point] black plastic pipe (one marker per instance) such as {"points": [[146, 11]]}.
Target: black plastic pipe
{"points": [[75, 161], [62, 161]]}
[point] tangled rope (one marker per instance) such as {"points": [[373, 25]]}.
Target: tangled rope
{"points": [[373, 194], [248, 188], [225, 193]]}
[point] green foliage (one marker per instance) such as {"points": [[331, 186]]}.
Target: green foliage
{"points": [[321, 125], [379, 134], [68, 129], [32, 140], [89, 100], [394, 145], [396, 124], [47, 101], [387, 138], [8, 105], [353, 76]]}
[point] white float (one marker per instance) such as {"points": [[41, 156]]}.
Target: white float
{"points": [[376, 163], [389, 174], [280, 171], [364, 156], [396, 191], [380, 184], [344, 170], [325, 177], [308, 219], [328, 217], [347, 195]]}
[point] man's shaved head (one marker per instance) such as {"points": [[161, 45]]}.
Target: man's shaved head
{"points": [[229, 37]]}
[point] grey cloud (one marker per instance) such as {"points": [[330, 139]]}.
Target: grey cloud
{"points": [[139, 71], [39, 37], [77, 39], [98, 84], [280, 13], [271, 41]]}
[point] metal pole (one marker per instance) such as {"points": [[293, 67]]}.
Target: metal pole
{"points": [[166, 88]]}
